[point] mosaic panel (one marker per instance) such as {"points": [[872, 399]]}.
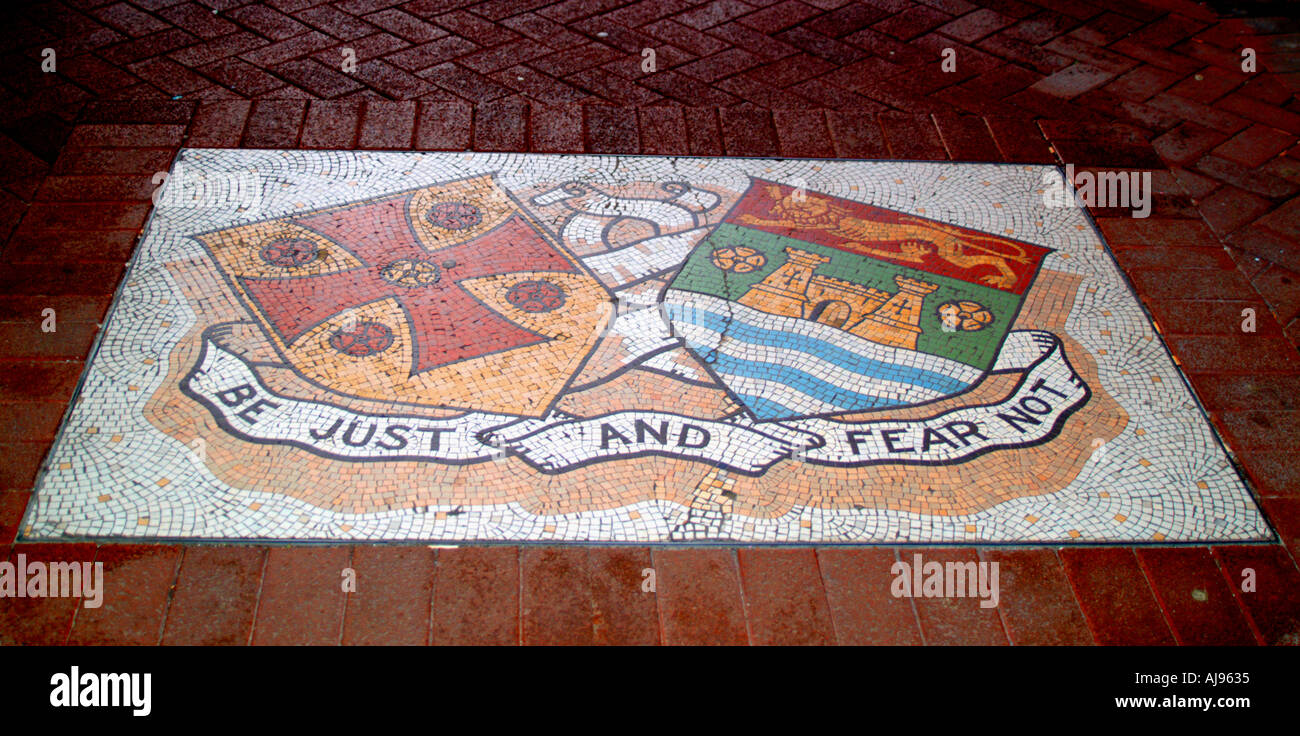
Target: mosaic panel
{"points": [[458, 347]]}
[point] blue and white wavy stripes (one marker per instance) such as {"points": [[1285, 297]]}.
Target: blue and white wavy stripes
{"points": [[783, 367]]}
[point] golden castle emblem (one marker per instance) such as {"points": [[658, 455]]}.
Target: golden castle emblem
{"points": [[796, 290]]}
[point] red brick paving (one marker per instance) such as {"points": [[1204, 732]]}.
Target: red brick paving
{"points": [[476, 595], [302, 597], [393, 605], [785, 599], [137, 580], [555, 597], [699, 597], [42, 621], [623, 610], [1273, 606], [1095, 83], [1036, 601], [951, 620], [584, 596], [858, 589], [215, 596], [1285, 513], [1116, 597], [1197, 602]]}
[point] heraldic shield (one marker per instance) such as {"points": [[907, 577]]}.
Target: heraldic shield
{"points": [[803, 304], [447, 296]]}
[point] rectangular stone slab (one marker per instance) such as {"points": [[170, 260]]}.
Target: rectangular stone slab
{"points": [[448, 347]]}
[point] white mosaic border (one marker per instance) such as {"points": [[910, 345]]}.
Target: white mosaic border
{"points": [[1158, 499]]}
